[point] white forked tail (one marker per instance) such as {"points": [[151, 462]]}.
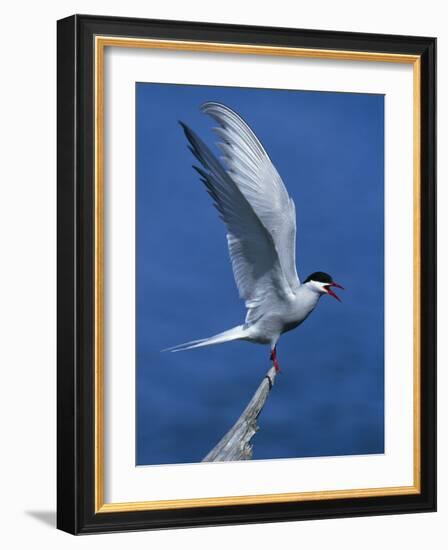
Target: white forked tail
{"points": [[235, 333]]}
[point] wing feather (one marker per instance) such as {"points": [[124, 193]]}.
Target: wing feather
{"points": [[254, 258], [253, 172]]}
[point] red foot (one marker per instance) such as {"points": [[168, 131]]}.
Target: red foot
{"points": [[275, 360]]}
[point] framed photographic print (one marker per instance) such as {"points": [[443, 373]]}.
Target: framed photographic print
{"points": [[246, 274]]}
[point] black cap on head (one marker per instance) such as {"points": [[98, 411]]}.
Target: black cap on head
{"points": [[319, 277]]}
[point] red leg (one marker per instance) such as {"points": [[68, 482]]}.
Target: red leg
{"points": [[274, 359]]}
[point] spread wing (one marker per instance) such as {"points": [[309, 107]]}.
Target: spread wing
{"points": [[252, 171], [255, 261]]}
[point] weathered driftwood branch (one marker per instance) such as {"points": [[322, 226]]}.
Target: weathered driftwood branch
{"points": [[236, 444]]}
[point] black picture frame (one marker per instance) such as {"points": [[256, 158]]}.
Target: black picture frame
{"points": [[76, 260]]}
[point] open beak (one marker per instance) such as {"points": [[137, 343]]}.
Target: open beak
{"points": [[330, 291]]}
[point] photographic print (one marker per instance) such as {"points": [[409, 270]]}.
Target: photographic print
{"points": [[259, 256]]}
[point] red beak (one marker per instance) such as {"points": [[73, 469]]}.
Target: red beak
{"points": [[330, 291]]}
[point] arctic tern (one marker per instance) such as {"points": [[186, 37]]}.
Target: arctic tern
{"points": [[260, 217]]}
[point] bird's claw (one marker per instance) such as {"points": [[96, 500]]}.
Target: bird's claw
{"points": [[274, 359]]}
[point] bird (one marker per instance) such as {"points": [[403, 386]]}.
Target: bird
{"points": [[260, 218]]}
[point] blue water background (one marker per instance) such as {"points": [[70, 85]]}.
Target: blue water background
{"points": [[329, 398]]}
